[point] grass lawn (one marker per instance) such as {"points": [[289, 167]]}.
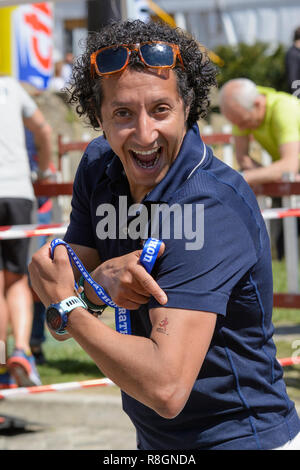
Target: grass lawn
{"points": [[281, 315], [66, 361]]}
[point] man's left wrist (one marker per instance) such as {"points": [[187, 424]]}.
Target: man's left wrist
{"points": [[57, 313]]}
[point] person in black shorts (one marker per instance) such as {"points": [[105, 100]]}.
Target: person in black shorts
{"points": [[13, 253], [18, 109], [13, 269]]}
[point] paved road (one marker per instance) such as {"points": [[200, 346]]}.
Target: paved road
{"points": [[79, 420], [90, 419]]}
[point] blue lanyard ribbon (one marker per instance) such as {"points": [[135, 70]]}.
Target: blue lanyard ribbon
{"points": [[122, 315]]}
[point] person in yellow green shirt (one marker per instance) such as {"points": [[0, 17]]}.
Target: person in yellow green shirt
{"points": [[272, 118]]}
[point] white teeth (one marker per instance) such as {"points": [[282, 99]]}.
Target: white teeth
{"points": [[146, 152]]}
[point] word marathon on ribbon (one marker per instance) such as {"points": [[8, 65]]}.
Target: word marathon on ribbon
{"points": [[149, 254]]}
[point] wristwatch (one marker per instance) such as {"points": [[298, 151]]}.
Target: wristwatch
{"points": [[57, 314]]}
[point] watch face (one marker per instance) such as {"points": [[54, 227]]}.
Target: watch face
{"points": [[54, 319]]}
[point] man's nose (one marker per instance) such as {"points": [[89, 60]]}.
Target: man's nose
{"points": [[146, 129]]}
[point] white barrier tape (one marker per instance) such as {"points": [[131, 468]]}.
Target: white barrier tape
{"points": [[60, 387], [11, 232]]}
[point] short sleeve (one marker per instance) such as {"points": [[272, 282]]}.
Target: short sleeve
{"points": [[202, 276], [285, 121], [28, 105]]}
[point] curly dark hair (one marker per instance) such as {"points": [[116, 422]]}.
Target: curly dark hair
{"points": [[194, 81]]}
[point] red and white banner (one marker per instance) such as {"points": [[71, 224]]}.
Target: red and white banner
{"points": [[33, 41]]}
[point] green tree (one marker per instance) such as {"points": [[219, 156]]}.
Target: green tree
{"points": [[258, 62]]}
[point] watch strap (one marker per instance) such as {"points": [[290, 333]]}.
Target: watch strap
{"points": [[67, 306], [72, 302], [92, 308]]}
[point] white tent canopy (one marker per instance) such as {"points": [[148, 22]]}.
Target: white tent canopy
{"points": [[216, 22]]}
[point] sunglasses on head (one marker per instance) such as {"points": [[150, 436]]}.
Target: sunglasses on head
{"points": [[154, 54]]}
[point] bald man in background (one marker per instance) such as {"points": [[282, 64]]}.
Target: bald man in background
{"points": [[272, 118]]}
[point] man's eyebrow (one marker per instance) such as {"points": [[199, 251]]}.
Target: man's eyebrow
{"points": [[128, 103], [120, 103], [162, 99]]}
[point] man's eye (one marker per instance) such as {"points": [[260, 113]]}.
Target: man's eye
{"points": [[122, 113], [161, 109]]}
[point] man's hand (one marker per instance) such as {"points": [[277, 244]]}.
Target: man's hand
{"points": [[126, 281], [52, 280]]}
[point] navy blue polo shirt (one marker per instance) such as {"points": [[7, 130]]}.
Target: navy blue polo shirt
{"points": [[239, 399]]}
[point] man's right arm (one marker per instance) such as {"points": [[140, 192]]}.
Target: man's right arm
{"points": [[123, 278], [126, 281], [244, 161]]}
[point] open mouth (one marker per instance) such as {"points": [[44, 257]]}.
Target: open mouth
{"points": [[148, 159]]}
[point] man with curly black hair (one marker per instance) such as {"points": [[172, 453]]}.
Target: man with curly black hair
{"points": [[194, 80], [199, 369]]}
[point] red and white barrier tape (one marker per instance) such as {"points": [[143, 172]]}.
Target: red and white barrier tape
{"points": [[60, 387], [67, 386], [280, 213], [289, 361], [10, 232]]}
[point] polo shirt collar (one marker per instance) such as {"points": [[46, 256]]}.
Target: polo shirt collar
{"points": [[192, 155]]}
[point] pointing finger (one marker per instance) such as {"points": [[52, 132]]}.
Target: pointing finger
{"points": [[150, 285]]}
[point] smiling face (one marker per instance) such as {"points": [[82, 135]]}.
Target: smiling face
{"points": [[144, 121]]}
